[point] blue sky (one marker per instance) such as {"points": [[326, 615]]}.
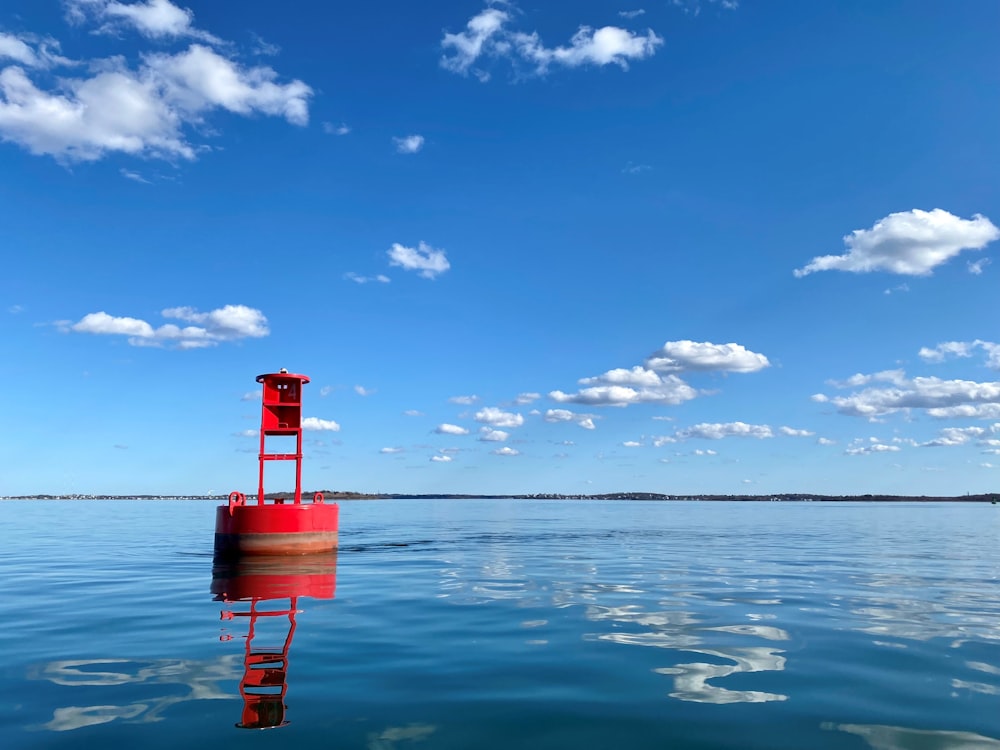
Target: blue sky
{"points": [[681, 247]]}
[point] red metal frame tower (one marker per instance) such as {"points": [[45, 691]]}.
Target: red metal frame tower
{"points": [[281, 415]]}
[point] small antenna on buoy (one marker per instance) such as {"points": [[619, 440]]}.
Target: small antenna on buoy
{"points": [[283, 371]]}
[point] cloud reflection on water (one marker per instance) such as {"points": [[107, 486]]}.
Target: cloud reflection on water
{"points": [[885, 737], [201, 677]]}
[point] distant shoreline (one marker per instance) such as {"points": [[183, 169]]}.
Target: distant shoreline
{"points": [[642, 496]]}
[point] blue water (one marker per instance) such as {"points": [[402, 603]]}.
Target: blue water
{"points": [[489, 624]]}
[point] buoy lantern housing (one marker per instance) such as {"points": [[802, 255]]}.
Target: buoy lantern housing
{"points": [[277, 527]]}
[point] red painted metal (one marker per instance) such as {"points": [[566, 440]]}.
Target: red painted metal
{"points": [[278, 527], [265, 668]]}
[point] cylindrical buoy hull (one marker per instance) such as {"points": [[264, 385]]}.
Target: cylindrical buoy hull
{"points": [[278, 529]]}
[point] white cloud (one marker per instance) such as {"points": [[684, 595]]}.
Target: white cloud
{"points": [[668, 390], [156, 19], [315, 424], [450, 429], [951, 436], [976, 267], [487, 36], [506, 451], [527, 398], [246, 433], [140, 112], [330, 129], [706, 452], [941, 398], [966, 411], [681, 356], [31, 50], [390, 451], [469, 45], [115, 110], [948, 349], [495, 417], [489, 435], [565, 415], [441, 459], [134, 176], [464, 400], [630, 14], [423, 259], [413, 413], [559, 415], [632, 168], [409, 144], [637, 376], [229, 323], [13, 48], [792, 432], [718, 431], [200, 79], [911, 243], [225, 323], [359, 279], [693, 8], [825, 441], [604, 46], [263, 47], [251, 396], [631, 444], [896, 377], [362, 391], [861, 447]]}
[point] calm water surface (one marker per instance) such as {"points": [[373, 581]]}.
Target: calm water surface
{"points": [[507, 624]]}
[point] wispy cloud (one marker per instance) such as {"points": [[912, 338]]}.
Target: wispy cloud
{"points": [[489, 36], [633, 168], [134, 176], [156, 19], [331, 129], [976, 268], [409, 144], [359, 279]]}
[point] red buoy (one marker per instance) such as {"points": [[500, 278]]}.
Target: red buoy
{"points": [[277, 527]]}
